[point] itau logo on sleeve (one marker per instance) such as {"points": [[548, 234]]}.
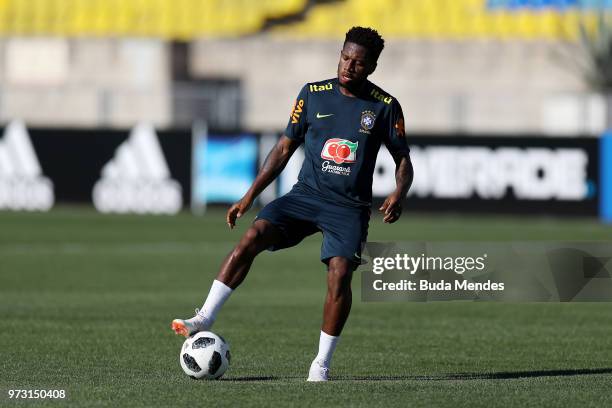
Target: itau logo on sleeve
{"points": [[137, 179], [22, 184]]}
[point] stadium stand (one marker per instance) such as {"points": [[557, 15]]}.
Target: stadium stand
{"points": [[449, 19], [170, 19], [187, 19], [473, 65]]}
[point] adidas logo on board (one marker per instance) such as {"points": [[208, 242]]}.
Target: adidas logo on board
{"points": [[22, 184], [137, 179]]}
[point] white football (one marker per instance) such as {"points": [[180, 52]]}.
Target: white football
{"points": [[205, 355]]}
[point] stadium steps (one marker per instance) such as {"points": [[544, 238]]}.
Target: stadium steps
{"points": [[439, 19], [171, 19]]}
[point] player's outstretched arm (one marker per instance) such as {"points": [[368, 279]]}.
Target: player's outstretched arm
{"points": [[404, 173], [273, 165]]}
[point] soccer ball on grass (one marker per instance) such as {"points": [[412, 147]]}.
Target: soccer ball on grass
{"points": [[205, 355]]}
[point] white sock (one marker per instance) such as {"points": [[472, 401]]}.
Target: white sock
{"points": [[219, 293], [327, 345]]}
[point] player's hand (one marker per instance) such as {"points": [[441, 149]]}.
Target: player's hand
{"points": [[391, 208], [236, 211]]}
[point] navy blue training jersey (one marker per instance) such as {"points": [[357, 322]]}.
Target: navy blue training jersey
{"points": [[342, 136]]}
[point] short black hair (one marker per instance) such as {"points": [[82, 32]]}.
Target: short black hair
{"points": [[368, 38]]}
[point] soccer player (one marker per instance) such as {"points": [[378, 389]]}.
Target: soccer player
{"points": [[342, 123]]}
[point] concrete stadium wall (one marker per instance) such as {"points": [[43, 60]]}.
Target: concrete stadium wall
{"points": [[84, 82], [444, 86], [472, 86]]}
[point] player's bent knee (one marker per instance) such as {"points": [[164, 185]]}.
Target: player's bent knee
{"points": [[340, 274], [254, 240], [246, 247], [339, 277], [340, 267], [251, 236]]}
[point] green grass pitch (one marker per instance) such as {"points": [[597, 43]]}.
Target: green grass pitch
{"points": [[86, 302]]}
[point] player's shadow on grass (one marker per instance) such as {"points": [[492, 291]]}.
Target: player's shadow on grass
{"points": [[255, 378], [501, 375]]}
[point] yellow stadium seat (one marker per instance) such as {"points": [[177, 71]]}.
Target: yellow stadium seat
{"points": [[186, 19]]}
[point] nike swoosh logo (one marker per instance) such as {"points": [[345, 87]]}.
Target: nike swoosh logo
{"points": [[356, 256], [319, 116]]}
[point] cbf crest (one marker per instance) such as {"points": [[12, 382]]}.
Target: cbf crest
{"points": [[367, 121]]}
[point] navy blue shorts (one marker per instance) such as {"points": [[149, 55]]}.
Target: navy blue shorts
{"points": [[299, 215]]}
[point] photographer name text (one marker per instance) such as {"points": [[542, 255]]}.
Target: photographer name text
{"points": [[442, 285]]}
